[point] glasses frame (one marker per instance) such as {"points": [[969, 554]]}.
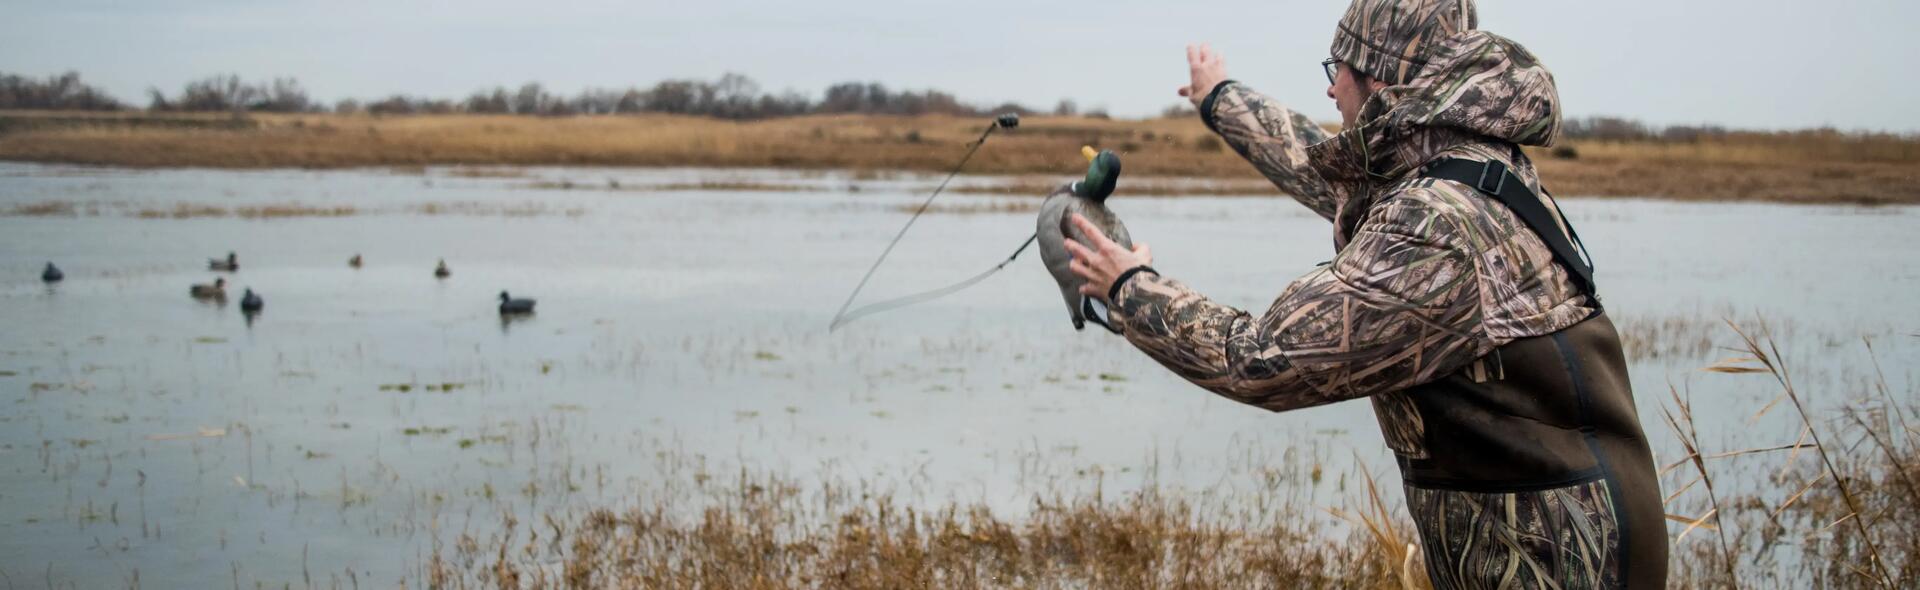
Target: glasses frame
{"points": [[1332, 66]]}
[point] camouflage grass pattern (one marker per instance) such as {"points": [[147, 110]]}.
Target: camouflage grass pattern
{"points": [[1428, 277], [1558, 538], [1389, 39]]}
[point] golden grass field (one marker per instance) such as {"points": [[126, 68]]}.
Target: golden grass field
{"points": [[1804, 167]]}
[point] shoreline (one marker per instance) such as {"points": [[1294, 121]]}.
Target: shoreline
{"points": [[1805, 168]]}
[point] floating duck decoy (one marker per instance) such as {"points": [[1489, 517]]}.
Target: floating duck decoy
{"points": [[354, 262], [231, 264], [216, 290], [250, 303], [509, 305], [441, 272], [52, 274], [1088, 198]]}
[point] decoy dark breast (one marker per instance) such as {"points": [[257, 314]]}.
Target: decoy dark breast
{"points": [[231, 264], [52, 274], [216, 289], [509, 305], [441, 271], [250, 302]]}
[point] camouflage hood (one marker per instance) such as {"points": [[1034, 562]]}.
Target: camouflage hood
{"points": [[1475, 88], [1389, 40]]}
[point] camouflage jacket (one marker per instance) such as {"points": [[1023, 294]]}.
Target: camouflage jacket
{"points": [[1428, 276]]}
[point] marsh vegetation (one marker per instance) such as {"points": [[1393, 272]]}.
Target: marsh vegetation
{"points": [[1799, 167], [677, 415]]}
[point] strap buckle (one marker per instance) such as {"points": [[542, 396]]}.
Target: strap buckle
{"points": [[1496, 171]]}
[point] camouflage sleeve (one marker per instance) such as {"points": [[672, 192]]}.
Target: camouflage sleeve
{"points": [[1274, 138], [1396, 308]]}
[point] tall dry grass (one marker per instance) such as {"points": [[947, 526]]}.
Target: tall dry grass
{"points": [[769, 532], [1837, 508], [1790, 167], [1847, 518]]}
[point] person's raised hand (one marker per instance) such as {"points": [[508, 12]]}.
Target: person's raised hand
{"points": [[1205, 69], [1102, 261]]}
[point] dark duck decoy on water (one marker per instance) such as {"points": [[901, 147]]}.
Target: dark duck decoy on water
{"points": [[249, 302], [441, 272], [509, 305], [52, 274], [354, 262], [216, 290], [231, 264]]}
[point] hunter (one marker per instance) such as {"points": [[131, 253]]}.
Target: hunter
{"points": [[1458, 300]]}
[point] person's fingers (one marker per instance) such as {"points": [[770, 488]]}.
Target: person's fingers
{"points": [[1078, 251], [1100, 241], [1185, 91], [1092, 291], [1080, 269], [1145, 253], [1193, 55]]}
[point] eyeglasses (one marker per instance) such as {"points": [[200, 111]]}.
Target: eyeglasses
{"points": [[1332, 66]]}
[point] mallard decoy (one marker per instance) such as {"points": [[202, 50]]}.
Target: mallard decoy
{"points": [[354, 262], [52, 274], [1088, 198], [249, 302], [217, 290], [231, 264], [441, 272], [509, 305]]}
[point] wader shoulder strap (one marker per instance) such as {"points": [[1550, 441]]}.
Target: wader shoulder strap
{"points": [[1495, 180]]}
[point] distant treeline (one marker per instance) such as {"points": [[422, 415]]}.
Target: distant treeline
{"points": [[64, 92], [732, 96], [1619, 129]]}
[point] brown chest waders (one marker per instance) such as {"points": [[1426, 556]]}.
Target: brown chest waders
{"points": [[1533, 463]]}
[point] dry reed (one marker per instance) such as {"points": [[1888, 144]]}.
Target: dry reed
{"points": [[1856, 524], [769, 532]]}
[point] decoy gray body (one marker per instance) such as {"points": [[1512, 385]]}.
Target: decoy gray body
{"points": [[1088, 198], [509, 305], [249, 302], [215, 290], [52, 274], [231, 264], [441, 272]]}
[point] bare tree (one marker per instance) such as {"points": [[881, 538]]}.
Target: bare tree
{"points": [[284, 96], [217, 93], [531, 100], [64, 91]]}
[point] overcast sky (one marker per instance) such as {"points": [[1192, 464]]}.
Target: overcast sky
{"points": [[1742, 63]]}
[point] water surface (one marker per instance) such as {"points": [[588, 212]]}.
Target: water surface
{"points": [[369, 416]]}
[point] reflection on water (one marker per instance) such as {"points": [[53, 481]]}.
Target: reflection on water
{"points": [[683, 334]]}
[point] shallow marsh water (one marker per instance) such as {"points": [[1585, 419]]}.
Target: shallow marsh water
{"points": [[681, 336]]}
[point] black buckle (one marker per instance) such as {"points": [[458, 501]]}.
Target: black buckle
{"points": [[1496, 170]]}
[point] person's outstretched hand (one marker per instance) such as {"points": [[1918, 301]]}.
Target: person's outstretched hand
{"points": [[1101, 262], [1206, 70]]}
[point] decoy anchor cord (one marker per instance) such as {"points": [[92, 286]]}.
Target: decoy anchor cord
{"points": [[843, 316]]}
